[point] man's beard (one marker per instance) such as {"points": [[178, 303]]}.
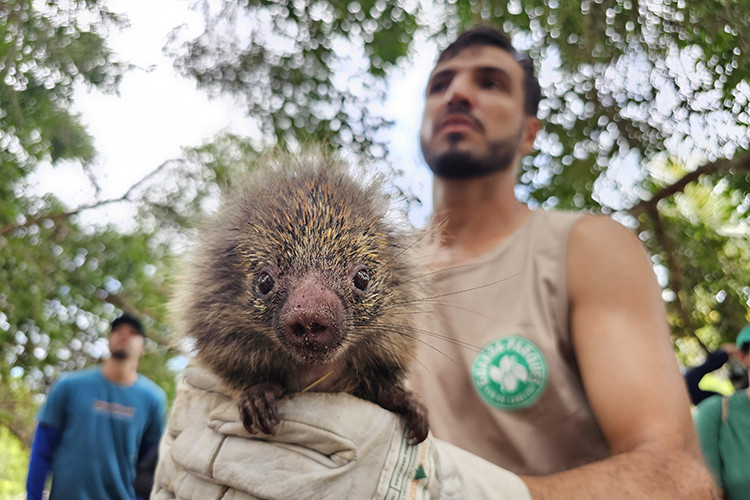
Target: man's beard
{"points": [[120, 354], [467, 165]]}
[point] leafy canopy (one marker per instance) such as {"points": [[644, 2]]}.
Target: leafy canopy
{"points": [[645, 115]]}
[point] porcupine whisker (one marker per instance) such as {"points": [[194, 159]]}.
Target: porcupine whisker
{"points": [[199, 236], [448, 294], [411, 355], [416, 306], [408, 312], [438, 271], [416, 359], [408, 247], [416, 338], [436, 335], [389, 345], [430, 302]]}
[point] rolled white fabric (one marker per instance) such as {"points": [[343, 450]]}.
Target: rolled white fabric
{"points": [[327, 445]]}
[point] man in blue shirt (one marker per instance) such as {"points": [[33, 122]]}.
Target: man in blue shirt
{"points": [[97, 423]]}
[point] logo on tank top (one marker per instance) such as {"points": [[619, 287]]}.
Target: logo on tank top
{"points": [[509, 373]]}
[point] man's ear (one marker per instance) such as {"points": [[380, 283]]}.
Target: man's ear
{"points": [[743, 358], [531, 126]]}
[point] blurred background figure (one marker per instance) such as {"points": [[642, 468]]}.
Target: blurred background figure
{"points": [[723, 424], [727, 353], [97, 423]]}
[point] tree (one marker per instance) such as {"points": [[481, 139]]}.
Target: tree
{"points": [[651, 88], [645, 112], [61, 282]]}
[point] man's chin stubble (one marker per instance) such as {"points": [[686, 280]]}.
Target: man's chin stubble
{"points": [[460, 164]]}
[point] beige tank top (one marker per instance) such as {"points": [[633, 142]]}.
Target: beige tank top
{"points": [[508, 389]]}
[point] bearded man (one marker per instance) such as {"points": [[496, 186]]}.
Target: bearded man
{"points": [[97, 423], [572, 383]]}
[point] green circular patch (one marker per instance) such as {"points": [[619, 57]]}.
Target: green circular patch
{"points": [[509, 373]]}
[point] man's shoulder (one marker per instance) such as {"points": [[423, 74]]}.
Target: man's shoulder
{"points": [[602, 232], [553, 227], [68, 387], [556, 221], [739, 399], [78, 376], [709, 410], [711, 403], [150, 387], [559, 214]]}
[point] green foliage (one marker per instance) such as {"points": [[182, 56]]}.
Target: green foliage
{"points": [[626, 84], [707, 239], [14, 462], [45, 51], [284, 68], [61, 282], [18, 407]]}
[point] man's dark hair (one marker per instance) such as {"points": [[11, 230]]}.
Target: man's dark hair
{"points": [[128, 319], [486, 36], [745, 347]]}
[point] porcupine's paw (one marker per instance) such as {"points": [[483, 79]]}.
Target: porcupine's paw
{"points": [[259, 407], [416, 420], [403, 402]]}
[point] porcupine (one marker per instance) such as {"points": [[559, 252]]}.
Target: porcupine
{"points": [[300, 279]]}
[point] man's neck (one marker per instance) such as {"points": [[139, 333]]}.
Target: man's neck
{"points": [[475, 215], [121, 372]]}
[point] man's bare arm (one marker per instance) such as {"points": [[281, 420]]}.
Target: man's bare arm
{"points": [[621, 339]]}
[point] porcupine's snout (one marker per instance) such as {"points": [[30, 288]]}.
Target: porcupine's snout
{"points": [[311, 320]]}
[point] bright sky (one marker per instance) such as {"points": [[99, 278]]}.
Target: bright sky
{"points": [[158, 112]]}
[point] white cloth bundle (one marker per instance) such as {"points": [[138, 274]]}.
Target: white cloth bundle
{"points": [[326, 446]]}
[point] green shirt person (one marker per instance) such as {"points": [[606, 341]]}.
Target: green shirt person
{"points": [[723, 425]]}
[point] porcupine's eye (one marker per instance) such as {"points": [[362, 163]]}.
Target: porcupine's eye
{"points": [[265, 283], [361, 279]]}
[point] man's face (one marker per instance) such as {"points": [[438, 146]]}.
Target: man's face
{"points": [[474, 122], [125, 342]]}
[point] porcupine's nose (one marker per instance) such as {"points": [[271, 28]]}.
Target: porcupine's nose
{"points": [[311, 316]]}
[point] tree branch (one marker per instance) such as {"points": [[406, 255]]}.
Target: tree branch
{"points": [[675, 274], [650, 208], [724, 164], [60, 216]]}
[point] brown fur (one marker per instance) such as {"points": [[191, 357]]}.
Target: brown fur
{"points": [[303, 221]]}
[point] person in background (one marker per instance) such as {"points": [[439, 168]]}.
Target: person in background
{"points": [[714, 361], [550, 353], [723, 425], [96, 423]]}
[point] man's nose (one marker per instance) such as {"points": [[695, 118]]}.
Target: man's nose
{"points": [[460, 92]]}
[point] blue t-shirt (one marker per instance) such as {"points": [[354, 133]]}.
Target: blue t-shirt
{"points": [[103, 427]]}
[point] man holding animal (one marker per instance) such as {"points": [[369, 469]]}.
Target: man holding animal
{"points": [[574, 385]]}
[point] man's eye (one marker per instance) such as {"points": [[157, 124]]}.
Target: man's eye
{"points": [[492, 85], [437, 87]]}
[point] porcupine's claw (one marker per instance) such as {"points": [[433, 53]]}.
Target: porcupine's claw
{"points": [[416, 421], [258, 407]]}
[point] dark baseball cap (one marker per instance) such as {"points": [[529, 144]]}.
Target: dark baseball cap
{"points": [[127, 319]]}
